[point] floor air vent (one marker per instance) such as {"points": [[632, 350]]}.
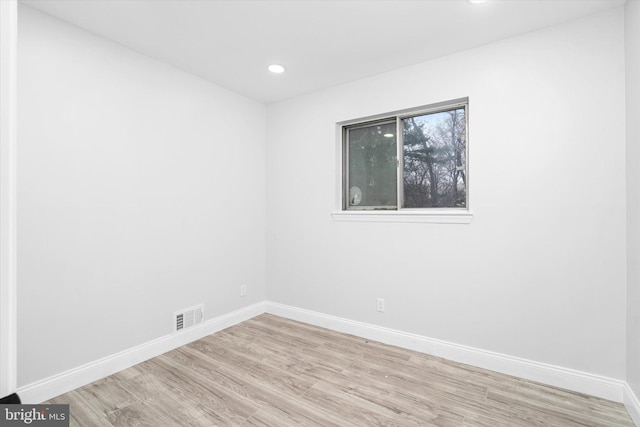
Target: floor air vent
{"points": [[188, 317]]}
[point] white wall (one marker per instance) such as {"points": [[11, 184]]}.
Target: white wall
{"points": [[632, 48], [8, 140], [540, 271], [141, 191]]}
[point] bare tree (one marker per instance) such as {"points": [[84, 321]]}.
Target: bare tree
{"points": [[435, 160]]}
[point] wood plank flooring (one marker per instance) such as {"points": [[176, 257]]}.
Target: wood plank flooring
{"points": [[271, 371]]}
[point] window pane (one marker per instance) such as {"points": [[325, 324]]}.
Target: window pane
{"points": [[372, 166], [434, 160]]}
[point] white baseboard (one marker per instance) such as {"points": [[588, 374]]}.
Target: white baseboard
{"points": [[632, 404], [48, 388], [595, 385], [582, 382]]}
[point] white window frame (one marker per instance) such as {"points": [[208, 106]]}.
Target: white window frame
{"points": [[400, 214]]}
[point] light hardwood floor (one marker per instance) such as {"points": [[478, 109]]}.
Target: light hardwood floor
{"points": [[271, 371]]}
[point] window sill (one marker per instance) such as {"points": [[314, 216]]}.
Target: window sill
{"points": [[437, 217]]}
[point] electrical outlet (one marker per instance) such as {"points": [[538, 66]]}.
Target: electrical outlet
{"points": [[380, 305], [243, 290]]}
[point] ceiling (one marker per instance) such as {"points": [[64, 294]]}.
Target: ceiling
{"points": [[321, 43]]}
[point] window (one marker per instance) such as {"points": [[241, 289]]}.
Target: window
{"points": [[411, 161]]}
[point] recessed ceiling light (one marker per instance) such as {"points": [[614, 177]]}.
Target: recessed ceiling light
{"points": [[388, 135], [276, 68]]}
